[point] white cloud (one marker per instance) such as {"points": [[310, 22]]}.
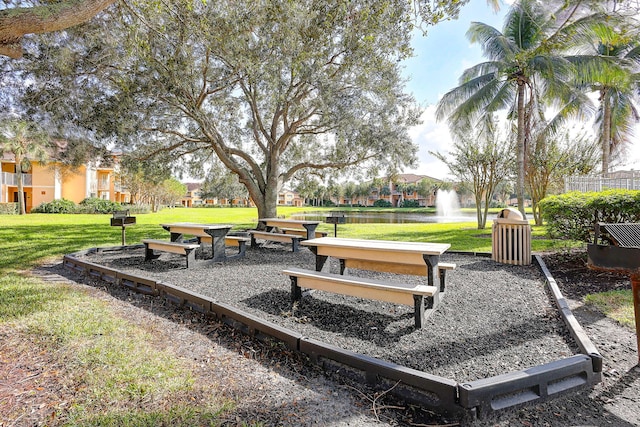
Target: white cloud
{"points": [[431, 136]]}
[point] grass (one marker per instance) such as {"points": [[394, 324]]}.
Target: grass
{"points": [[119, 365], [28, 239], [617, 305]]}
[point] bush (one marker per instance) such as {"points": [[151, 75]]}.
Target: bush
{"points": [[573, 215], [56, 206], [380, 203], [8, 208], [95, 205], [410, 204], [136, 209]]}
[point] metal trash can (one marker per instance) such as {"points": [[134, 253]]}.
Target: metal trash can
{"points": [[511, 238]]}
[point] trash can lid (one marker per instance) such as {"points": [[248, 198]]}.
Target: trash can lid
{"points": [[510, 213]]}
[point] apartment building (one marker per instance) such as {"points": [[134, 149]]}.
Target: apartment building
{"points": [[46, 182]]}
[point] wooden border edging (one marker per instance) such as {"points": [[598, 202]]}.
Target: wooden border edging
{"points": [[431, 391], [473, 399], [577, 332]]}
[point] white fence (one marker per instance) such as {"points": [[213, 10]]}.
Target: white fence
{"points": [[625, 181]]}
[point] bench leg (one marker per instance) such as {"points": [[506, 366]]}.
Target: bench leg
{"points": [[253, 242], [191, 257], [320, 261], [295, 243], [343, 266], [432, 268], [148, 253], [442, 277], [296, 292], [241, 248], [420, 306], [418, 310]]}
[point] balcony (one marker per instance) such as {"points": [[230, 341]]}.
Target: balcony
{"points": [[103, 185], [12, 179]]}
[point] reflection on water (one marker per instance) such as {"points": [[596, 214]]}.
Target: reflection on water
{"points": [[386, 217]]}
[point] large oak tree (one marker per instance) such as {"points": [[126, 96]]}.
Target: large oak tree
{"points": [[272, 89]]}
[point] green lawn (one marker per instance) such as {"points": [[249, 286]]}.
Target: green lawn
{"points": [[95, 345], [25, 240]]}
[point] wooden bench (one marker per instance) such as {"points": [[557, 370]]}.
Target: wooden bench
{"points": [[423, 298], [279, 225], [302, 232], [237, 241], [276, 237], [188, 250]]}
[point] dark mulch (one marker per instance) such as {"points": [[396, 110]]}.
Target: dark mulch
{"points": [[267, 380]]}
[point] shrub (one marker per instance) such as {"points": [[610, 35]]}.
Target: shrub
{"points": [[95, 205], [380, 203], [136, 209], [573, 215], [410, 204], [56, 206], [8, 208]]}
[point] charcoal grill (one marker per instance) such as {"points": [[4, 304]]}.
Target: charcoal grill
{"points": [[335, 218], [616, 248], [122, 219]]}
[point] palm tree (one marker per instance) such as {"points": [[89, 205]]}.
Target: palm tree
{"points": [[610, 68], [523, 70], [27, 143]]}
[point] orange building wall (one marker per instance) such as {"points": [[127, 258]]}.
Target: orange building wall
{"points": [[43, 184], [74, 185]]}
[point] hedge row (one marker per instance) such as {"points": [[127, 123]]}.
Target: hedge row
{"points": [[573, 215], [90, 205]]}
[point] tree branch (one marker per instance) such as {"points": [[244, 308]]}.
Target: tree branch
{"points": [[16, 22]]}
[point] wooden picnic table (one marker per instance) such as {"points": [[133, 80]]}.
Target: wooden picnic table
{"points": [[272, 223], [216, 231], [415, 258]]}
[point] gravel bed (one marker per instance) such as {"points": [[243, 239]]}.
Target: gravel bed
{"points": [[494, 318]]}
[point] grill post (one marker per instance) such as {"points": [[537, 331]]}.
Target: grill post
{"points": [[635, 288]]}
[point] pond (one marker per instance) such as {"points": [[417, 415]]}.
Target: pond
{"points": [[387, 217]]}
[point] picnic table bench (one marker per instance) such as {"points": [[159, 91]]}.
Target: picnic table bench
{"points": [[214, 234], [284, 231], [188, 250], [237, 241], [412, 258], [423, 298]]}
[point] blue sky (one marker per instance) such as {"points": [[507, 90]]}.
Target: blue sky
{"points": [[439, 59]]}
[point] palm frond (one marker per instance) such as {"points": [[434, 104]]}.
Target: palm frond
{"points": [[484, 68], [490, 95], [457, 96], [495, 45]]}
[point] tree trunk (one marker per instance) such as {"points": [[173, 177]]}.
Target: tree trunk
{"points": [[520, 150], [22, 209], [606, 132], [482, 219]]}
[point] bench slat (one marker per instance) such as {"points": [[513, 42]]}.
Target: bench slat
{"points": [[276, 237], [173, 247], [302, 232], [359, 287], [423, 298], [235, 240]]}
